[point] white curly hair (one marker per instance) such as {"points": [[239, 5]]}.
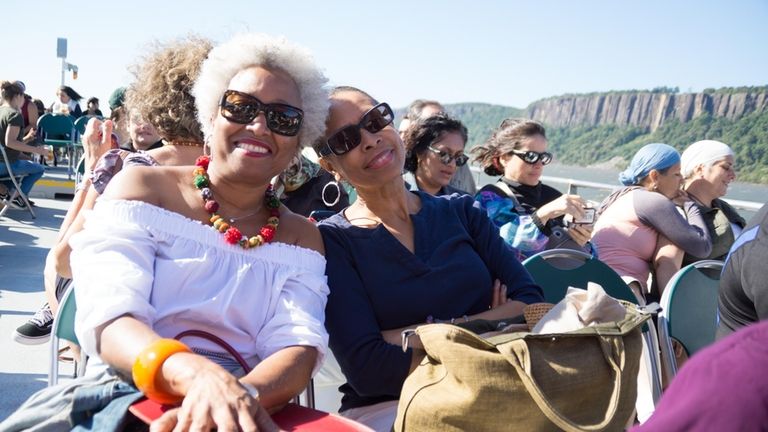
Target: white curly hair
{"points": [[258, 49]]}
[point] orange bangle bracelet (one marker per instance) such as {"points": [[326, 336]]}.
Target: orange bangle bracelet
{"points": [[148, 364]]}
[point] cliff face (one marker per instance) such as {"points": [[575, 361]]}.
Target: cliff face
{"points": [[643, 109]]}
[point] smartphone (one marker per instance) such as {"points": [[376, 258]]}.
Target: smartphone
{"points": [[588, 219]]}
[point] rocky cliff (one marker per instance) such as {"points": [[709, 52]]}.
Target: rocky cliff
{"points": [[645, 108]]}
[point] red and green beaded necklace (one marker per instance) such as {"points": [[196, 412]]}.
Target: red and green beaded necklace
{"points": [[233, 235]]}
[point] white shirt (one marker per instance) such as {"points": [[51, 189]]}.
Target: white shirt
{"points": [[176, 274]]}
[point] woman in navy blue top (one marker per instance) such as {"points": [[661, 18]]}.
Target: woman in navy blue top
{"points": [[396, 259]]}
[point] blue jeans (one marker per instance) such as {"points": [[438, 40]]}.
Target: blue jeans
{"points": [[89, 403], [33, 170]]}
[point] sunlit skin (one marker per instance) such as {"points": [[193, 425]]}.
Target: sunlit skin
{"points": [[64, 97], [669, 183], [517, 170], [254, 149], [710, 182], [431, 173], [379, 158], [142, 134]]}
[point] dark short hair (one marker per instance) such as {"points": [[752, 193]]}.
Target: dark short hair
{"points": [[343, 89], [426, 132], [413, 112], [92, 99]]}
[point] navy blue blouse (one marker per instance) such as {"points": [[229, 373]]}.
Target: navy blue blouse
{"points": [[377, 284]]}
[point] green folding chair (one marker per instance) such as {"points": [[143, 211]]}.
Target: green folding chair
{"points": [[557, 269], [64, 328], [58, 130], [689, 310]]}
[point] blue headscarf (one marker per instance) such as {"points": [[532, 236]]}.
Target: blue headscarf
{"points": [[650, 157]]}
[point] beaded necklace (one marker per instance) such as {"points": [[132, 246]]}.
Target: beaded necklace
{"points": [[232, 235]]}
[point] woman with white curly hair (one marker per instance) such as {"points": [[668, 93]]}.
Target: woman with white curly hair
{"points": [[207, 249], [708, 169]]}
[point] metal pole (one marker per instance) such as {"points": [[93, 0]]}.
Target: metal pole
{"points": [[63, 69]]}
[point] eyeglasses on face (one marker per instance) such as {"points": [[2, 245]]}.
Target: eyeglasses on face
{"points": [[446, 157], [243, 108], [349, 137], [531, 157]]}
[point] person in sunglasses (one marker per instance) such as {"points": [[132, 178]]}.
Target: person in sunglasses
{"points": [[528, 213], [400, 258], [169, 249], [435, 151]]}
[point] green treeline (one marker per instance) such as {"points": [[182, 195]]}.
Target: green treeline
{"points": [[748, 136], [615, 145]]}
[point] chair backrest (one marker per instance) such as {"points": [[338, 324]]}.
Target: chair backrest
{"points": [[80, 124], [64, 324], [689, 305], [557, 269], [56, 126]]}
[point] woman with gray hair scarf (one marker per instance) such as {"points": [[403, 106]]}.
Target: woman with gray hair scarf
{"points": [[708, 170]]}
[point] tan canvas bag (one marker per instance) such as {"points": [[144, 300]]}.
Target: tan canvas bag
{"points": [[585, 380]]}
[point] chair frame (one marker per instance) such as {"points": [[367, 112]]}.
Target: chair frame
{"points": [[666, 333], [64, 328], [624, 292], [68, 144], [16, 180]]}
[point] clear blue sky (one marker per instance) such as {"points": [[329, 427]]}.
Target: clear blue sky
{"points": [[502, 52]]}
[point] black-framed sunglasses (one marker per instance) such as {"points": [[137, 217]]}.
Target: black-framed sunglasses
{"points": [[531, 157], [349, 137], [242, 108], [446, 157]]}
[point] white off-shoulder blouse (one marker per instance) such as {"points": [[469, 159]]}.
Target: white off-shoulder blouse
{"points": [[176, 274]]}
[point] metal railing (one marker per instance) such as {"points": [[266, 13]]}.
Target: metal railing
{"points": [[572, 186]]}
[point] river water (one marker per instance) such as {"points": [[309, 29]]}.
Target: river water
{"points": [[738, 191]]}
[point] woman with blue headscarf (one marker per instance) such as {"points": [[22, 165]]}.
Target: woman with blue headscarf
{"points": [[639, 221]]}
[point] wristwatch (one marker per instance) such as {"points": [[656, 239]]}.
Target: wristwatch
{"points": [[251, 389]]}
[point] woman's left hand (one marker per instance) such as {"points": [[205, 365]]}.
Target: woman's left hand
{"points": [[580, 233]]}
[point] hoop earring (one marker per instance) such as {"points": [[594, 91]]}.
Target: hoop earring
{"points": [[338, 193]]}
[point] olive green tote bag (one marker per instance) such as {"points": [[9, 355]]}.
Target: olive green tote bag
{"points": [[585, 380]]}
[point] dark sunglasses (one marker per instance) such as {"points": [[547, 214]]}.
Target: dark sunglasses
{"points": [[446, 157], [243, 108], [349, 137], [531, 157]]}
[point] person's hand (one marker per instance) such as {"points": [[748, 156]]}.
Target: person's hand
{"points": [[170, 419], [216, 400], [97, 140], [564, 204], [42, 150], [680, 198], [499, 294], [580, 233], [29, 136]]}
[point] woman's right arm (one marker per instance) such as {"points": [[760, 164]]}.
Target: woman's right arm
{"points": [[371, 366], [113, 264], [11, 141], [659, 212]]}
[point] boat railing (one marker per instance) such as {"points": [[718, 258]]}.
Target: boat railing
{"points": [[572, 186]]}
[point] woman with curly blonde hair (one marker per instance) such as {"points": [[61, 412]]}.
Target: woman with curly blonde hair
{"points": [[162, 95]]}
